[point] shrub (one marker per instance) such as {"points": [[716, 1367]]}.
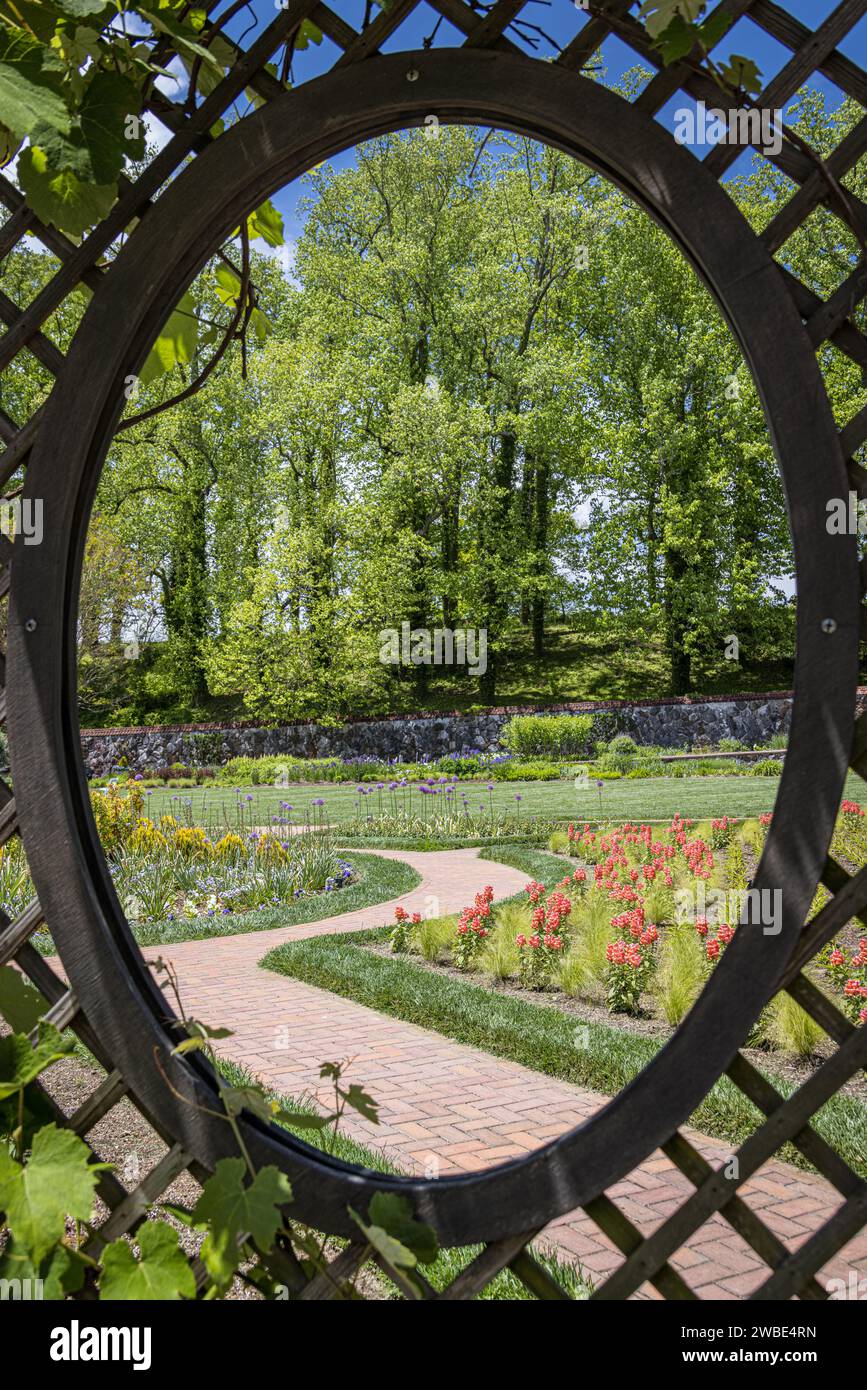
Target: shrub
{"points": [[766, 767], [551, 735], [731, 745], [622, 743]]}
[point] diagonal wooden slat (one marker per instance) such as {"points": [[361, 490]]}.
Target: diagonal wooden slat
{"points": [[495, 23], [737, 1212], [485, 1267], [816, 48], [785, 1121], [788, 30], [19, 932], [820, 1008], [814, 190], [815, 1149], [590, 37], [108, 1093], [789, 1279], [371, 38], [133, 200], [628, 1239]]}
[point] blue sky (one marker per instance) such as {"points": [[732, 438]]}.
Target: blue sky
{"points": [[561, 19]]}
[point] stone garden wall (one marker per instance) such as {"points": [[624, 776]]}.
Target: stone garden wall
{"points": [[677, 722]]}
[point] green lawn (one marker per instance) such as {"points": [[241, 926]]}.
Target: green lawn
{"points": [[653, 798]]}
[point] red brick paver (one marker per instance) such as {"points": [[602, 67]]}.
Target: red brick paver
{"points": [[448, 1108]]}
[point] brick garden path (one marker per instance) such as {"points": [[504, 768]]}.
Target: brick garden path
{"points": [[447, 1108]]}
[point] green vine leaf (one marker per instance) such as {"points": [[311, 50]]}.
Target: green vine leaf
{"points": [[659, 14], [297, 1119], [58, 1181], [267, 223], [358, 1099], [21, 1063], [59, 197], [176, 343], [160, 1273], [26, 105], [398, 1257], [230, 1210], [307, 34], [252, 1098], [59, 1274], [96, 146], [393, 1213], [742, 75], [82, 9], [21, 1005]]}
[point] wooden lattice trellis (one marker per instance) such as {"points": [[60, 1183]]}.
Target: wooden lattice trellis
{"points": [[111, 1000]]}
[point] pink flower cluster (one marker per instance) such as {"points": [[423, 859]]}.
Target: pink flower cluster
{"points": [[475, 918]]}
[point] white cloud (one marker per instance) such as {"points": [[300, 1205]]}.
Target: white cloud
{"points": [[284, 256]]}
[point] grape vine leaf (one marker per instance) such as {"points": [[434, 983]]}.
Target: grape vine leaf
{"points": [[60, 1273], [307, 34], [393, 1214], [25, 105], [57, 1181], [230, 1210], [21, 1005], [160, 1273], [658, 14], [58, 197], [96, 146], [358, 1099], [741, 74], [176, 342], [298, 1119], [21, 1063], [266, 223], [238, 1098], [82, 9], [399, 1258]]}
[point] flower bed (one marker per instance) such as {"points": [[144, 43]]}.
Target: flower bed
{"points": [[640, 924], [165, 871]]}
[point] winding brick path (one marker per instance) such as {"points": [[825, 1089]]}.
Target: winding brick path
{"points": [[446, 1108]]}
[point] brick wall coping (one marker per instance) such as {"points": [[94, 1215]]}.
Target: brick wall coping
{"points": [[575, 707]]}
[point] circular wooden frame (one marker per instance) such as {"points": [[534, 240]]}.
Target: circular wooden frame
{"points": [[192, 217]]}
